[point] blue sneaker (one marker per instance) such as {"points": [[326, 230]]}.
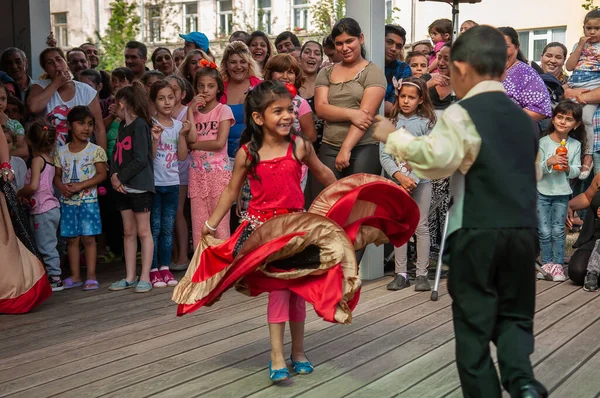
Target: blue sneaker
{"points": [[123, 284], [302, 368], [278, 375]]}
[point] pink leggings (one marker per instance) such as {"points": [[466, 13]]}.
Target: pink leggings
{"points": [[285, 306]]}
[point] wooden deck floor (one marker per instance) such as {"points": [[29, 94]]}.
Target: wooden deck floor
{"points": [[121, 344]]}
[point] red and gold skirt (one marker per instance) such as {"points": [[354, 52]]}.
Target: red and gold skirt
{"points": [[310, 253]]}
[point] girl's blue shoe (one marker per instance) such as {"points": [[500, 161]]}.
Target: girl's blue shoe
{"points": [[278, 375], [302, 368]]}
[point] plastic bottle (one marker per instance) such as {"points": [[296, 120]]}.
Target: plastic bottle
{"points": [[560, 150]]}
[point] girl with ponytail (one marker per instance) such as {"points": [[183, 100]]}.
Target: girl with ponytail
{"points": [[132, 178], [44, 207]]}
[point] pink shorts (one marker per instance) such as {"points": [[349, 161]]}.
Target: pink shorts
{"points": [[285, 306]]}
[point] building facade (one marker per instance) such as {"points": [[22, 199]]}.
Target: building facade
{"points": [[538, 21]]}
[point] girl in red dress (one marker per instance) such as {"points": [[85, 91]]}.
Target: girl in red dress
{"points": [[271, 157], [278, 248]]}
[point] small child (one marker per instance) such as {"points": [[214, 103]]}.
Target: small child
{"points": [[271, 156], [440, 32], [168, 148], [19, 145], [80, 167], [18, 164], [584, 61], [180, 113], [44, 207], [286, 69], [554, 189], [423, 47], [418, 63], [132, 178], [489, 146], [210, 169], [414, 112]]}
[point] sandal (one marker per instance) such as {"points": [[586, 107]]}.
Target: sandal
{"points": [[302, 368], [70, 283], [91, 284]]}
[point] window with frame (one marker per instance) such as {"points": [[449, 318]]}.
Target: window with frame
{"points": [[225, 16], [61, 29], [263, 15], [389, 9], [154, 25], [533, 41], [300, 14], [190, 17]]}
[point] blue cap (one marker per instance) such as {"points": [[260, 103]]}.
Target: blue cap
{"points": [[199, 39]]}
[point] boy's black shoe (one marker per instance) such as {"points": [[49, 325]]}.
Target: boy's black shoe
{"points": [[529, 392], [591, 282], [398, 283]]}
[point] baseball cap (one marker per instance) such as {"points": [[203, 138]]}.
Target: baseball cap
{"points": [[198, 38]]}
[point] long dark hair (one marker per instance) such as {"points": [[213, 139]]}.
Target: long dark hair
{"points": [[512, 34], [78, 114], [425, 109], [351, 27], [137, 100], [215, 74], [258, 100], [568, 107], [262, 35]]}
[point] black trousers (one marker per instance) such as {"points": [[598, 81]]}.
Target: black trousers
{"points": [[492, 285], [363, 159]]}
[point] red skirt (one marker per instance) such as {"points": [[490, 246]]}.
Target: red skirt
{"points": [[24, 284], [311, 254]]}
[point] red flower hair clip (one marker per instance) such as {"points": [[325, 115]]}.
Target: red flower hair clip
{"points": [[292, 89], [207, 64]]}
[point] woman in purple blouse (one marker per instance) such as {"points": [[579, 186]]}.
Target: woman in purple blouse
{"points": [[522, 83]]}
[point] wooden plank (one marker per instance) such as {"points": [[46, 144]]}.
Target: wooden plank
{"points": [[339, 357], [554, 369], [217, 335], [443, 377], [584, 382], [238, 363], [90, 345]]}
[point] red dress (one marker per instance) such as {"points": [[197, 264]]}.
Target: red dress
{"points": [[278, 246]]}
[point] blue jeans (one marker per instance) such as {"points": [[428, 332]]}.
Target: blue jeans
{"points": [[552, 214], [162, 223], [45, 226]]}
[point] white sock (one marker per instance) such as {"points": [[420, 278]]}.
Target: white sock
{"points": [[404, 274], [164, 267]]}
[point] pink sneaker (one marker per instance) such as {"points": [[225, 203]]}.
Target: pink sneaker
{"points": [[557, 272], [547, 269], [156, 279], [168, 277]]}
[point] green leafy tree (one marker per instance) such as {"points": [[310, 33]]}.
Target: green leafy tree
{"points": [[589, 5], [393, 19], [123, 26], [326, 13]]}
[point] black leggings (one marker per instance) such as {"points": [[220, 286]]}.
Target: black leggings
{"points": [[578, 265], [363, 159]]}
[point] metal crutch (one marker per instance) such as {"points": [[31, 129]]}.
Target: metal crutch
{"points": [[438, 271]]}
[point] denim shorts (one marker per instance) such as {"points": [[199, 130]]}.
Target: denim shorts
{"points": [[80, 220]]}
